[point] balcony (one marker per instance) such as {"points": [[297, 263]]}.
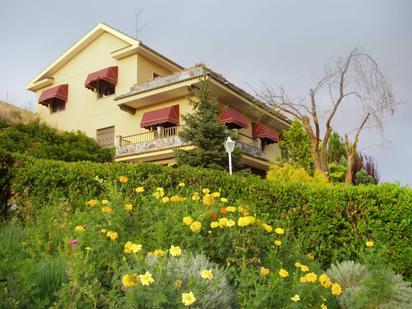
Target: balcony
{"points": [[168, 138]]}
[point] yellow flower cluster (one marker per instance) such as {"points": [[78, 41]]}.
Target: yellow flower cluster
{"points": [[165, 200], [279, 231], [157, 252], [112, 235], [139, 190], [105, 202], [107, 210], [324, 280], [188, 298], [79, 229], [309, 278], [130, 280], [302, 267], [187, 220], [231, 209], [245, 221], [336, 289], [196, 227], [370, 244], [92, 202], [195, 197], [224, 200], [278, 242], [181, 184], [178, 198], [159, 193], [267, 227], [295, 298], [206, 274], [283, 273], [128, 207], [264, 271], [130, 247], [123, 179], [175, 250]]}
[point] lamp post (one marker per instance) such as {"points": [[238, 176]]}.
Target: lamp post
{"points": [[229, 146]]}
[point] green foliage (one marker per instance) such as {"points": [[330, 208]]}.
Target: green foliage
{"points": [[296, 145], [363, 178], [204, 130], [337, 172], [333, 220], [292, 174], [336, 148], [41, 141], [372, 286], [6, 163]]}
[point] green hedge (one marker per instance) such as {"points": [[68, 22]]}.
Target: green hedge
{"points": [[333, 222]]}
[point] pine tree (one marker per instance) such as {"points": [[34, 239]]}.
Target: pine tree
{"points": [[204, 131]]}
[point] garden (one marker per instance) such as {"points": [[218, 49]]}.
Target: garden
{"points": [[109, 235]]}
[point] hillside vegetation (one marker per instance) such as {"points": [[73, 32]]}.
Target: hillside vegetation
{"points": [[119, 235]]}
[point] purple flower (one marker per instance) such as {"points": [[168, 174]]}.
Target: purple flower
{"points": [[73, 242]]}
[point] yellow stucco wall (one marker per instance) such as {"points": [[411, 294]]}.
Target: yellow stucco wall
{"points": [[84, 111], [146, 69]]}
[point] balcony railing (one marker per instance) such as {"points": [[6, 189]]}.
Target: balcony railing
{"points": [[169, 138]]}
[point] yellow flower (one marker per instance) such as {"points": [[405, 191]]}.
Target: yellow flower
{"points": [[295, 298], [336, 289], [187, 220], [178, 284], [250, 220], [205, 191], [279, 231], [283, 273], [188, 298], [103, 231], [230, 223], [267, 227], [208, 200], [178, 198], [298, 265], [128, 207], [112, 235], [323, 306], [79, 229], [105, 202], [195, 197], [92, 203], [304, 268], [206, 274], [241, 222], [214, 224], [278, 242], [216, 194], [310, 256], [223, 199], [264, 271], [370, 244], [310, 277], [231, 209], [324, 280], [123, 179], [181, 184], [165, 200], [175, 250], [146, 279], [196, 227], [129, 280], [130, 247], [88, 248], [107, 210], [139, 190], [223, 222]]}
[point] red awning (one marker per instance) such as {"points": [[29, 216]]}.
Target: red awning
{"points": [[232, 116], [167, 115], [262, 131], [58, 92], [108, 75]]}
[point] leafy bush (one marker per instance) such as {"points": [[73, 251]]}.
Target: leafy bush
{"points": [[294, 174], [41, 141], [332, 221], [370, 287], [363, 178], [6, 162]]}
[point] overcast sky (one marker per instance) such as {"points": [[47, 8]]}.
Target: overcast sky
{"points": [[283, 43]]}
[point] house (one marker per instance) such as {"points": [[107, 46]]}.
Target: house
{"points": [[125, 94]]}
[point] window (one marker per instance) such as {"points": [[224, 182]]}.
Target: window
{"points": [[104, 89], [105, 137], [57, 105]]}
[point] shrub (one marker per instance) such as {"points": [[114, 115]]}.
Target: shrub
{"points": [[6, 162], [332, 221], [294, 174], [41, 141], [373, 287]]}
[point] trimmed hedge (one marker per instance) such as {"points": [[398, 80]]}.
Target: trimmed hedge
{"points": [[332, 221]]}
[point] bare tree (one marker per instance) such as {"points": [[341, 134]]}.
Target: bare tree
{"points": [[354, 79]]}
